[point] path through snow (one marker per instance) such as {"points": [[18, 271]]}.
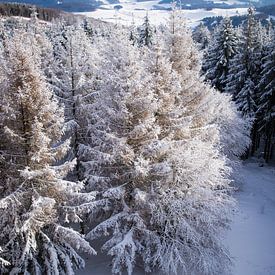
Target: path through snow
{"points": [[251, 239]]}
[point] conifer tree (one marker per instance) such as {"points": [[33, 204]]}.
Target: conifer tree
{"points": [[202, 36], [145, 33], [221, 50], [36, 201], [157, 157], [133, 36], [266, 109], [122, 134], [244, 74], [245, 65], [72, 79]]}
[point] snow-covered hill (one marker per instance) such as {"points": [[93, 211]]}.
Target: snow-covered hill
{"points": [[132, 11], [128, 11], [91, 5]]}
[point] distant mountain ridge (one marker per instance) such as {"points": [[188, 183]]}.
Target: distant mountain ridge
{"points": [[66, 5], [91, 5]]}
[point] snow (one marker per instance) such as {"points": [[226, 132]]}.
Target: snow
{"points": [[251, 240], [137, 11], [252, 237]]}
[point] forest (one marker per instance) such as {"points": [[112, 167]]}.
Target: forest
{"points": [[128, 137]]}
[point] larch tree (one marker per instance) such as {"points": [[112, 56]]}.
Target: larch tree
{"points": [[207, 111], [72, 79], [219, 53], [159, 159], [36, 201], [119, 162]]}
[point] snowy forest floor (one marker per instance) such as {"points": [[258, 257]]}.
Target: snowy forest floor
{"points": [[251, 240]]}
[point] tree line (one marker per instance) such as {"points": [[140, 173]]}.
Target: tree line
{"points": [[240, 61], [25, 10]]}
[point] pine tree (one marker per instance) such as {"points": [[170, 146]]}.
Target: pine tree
{"points": [[220, 52], [145, 33], [35, 200]]}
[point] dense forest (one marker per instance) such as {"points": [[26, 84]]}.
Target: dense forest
{"points": [[240, 61], [25, 10], [127, 138]]}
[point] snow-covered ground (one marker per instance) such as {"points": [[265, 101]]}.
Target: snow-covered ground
{"points": [[251, 239], [136, 11]]}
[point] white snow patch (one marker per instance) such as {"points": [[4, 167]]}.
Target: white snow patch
{"points": [[138, 10], [252, 238]]}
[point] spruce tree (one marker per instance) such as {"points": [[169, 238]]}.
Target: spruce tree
{"points": [[145, 33], [202, 36], [119, 163], [266, 109], [221, 50], [244, 74], [246, 63]]}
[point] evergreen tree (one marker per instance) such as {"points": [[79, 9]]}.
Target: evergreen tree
{"points": [[122, 135], [220, 52], [202, 36], [246, 63], [266, 110], [133, 36], [244, 73], [145, 33], [35, 200]]}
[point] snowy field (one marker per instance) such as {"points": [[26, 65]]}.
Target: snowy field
{"points": [[136, 11], [251, 240]]}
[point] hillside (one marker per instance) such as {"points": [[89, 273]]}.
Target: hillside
{"points": [[91, 5]]}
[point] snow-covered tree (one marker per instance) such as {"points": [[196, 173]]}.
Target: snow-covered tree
{"points": [[219, 53], [123, 133], [145, 33], [88, 27], [266, 109], [159, 159], [202, 36], [244, 73], [72, 78], [133, 33], [35, 200], [246, 99], [246, 63]]}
